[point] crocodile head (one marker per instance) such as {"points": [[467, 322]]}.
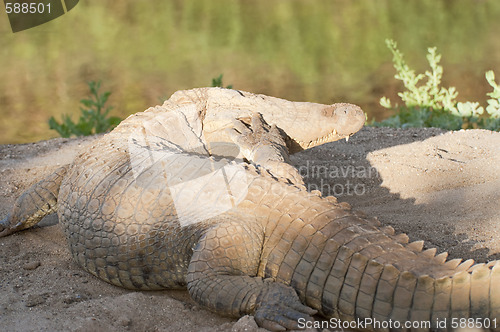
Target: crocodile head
{"points": [[304, 125], [313, 124], [307, 125]]}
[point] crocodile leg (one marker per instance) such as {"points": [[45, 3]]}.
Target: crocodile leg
{"points": [[222, 277], [265, 146], [37, 202]]}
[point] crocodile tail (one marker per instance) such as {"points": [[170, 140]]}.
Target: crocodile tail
{"points": [[468, 297], [374, 276], [34, 204]]}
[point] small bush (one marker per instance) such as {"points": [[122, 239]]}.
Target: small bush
{"points": [[93, 118], [217, 82], [430, 105]]}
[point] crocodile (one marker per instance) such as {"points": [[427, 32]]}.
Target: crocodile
{"points": [[199, 193]]}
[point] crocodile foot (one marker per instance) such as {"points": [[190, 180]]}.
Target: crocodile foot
{"points": [[279, 308], [6, 227]]}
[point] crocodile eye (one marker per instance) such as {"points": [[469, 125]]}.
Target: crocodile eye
{"points": [[328, 111]]}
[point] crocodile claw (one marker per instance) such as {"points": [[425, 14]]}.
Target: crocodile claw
{"points": [[280, 309], [282, 317], [5, 227]]}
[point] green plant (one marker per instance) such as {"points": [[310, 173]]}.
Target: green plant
{"points": [[493, 107], [430, 105], [217, 82], [93, 118], [429, 94]]}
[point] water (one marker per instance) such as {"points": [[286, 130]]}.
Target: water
{"points": [[323, 51]]}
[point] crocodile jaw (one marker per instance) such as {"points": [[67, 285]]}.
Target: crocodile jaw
{"points": [[331, 137]]}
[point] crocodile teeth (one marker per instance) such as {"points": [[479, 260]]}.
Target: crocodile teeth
{"points": [[324, 139]]}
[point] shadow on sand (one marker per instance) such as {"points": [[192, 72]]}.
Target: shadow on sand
{"points": [[343, 169]]}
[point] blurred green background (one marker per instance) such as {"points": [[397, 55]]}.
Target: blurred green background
{"points": [[323, 51]]}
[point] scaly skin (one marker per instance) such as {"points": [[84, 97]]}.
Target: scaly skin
{"points": [[166, 201]]}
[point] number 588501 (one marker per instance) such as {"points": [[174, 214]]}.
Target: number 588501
{"points": [[27, 8]]}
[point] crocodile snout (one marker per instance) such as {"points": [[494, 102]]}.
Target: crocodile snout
{"points": [[348, 119]]}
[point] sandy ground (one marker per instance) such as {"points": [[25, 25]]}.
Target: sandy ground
{"points": [[436, 186]]}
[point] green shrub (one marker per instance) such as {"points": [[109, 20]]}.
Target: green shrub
{"points": [[93, 118], [217, 82], [430, 105]]}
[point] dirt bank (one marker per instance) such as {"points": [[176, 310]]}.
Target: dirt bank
{"points": [[436, 186]]}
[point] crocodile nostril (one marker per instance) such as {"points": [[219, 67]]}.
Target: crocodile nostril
{"points": [[342, 110], [354, 112]]}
